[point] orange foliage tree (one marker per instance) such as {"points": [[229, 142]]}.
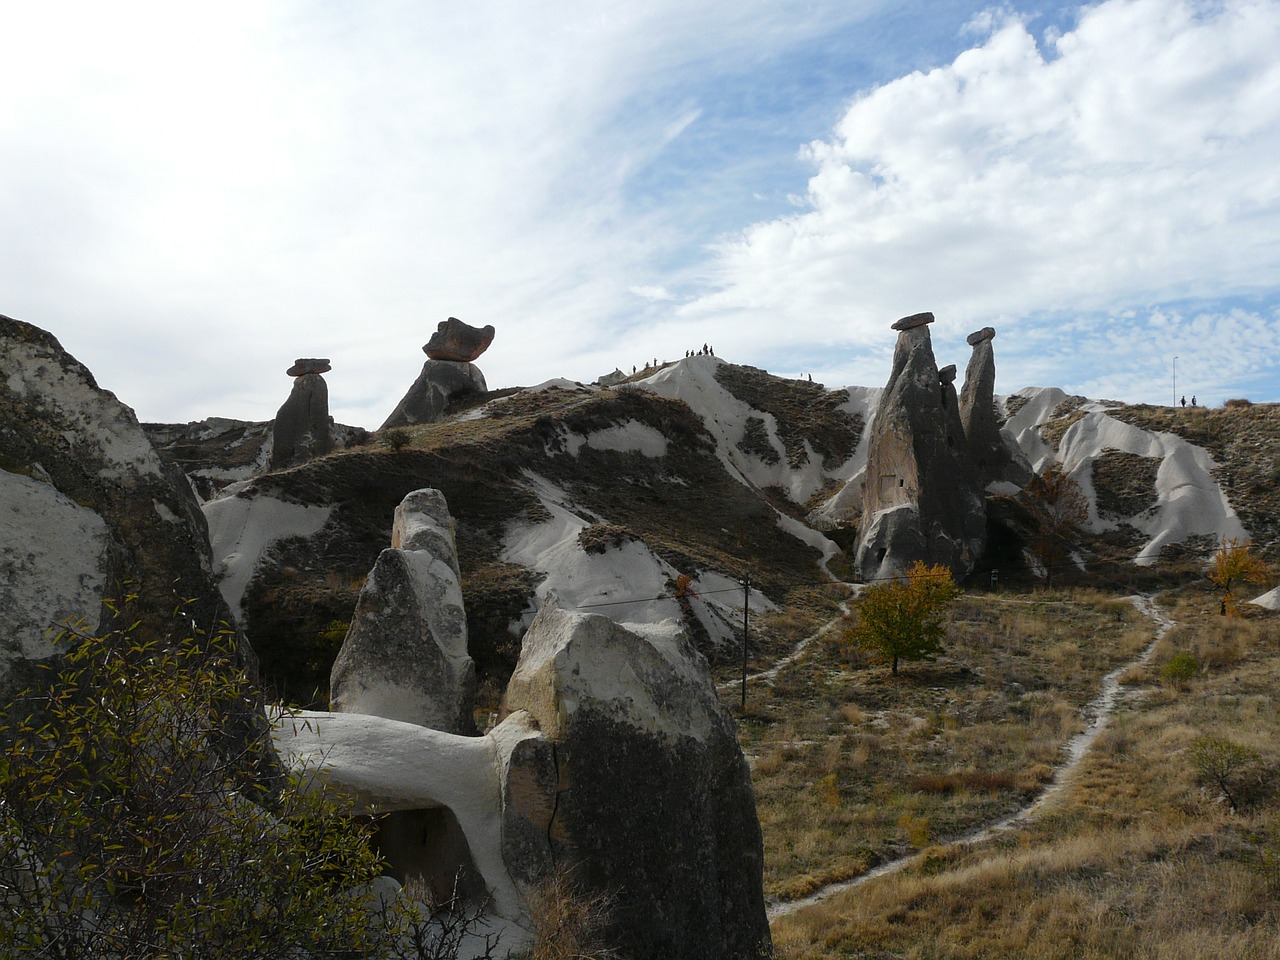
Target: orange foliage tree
{"points": [[1235, 563], [902, 619]]}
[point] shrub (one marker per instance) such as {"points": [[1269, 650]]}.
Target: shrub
{"points": [[1179, 668], [1226, 765], [397, 438], [1237, 403]]}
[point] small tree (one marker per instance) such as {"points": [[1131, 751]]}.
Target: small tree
{"points": [[1226, 765], [1234, 563], [1059, 508], [902, 619]]}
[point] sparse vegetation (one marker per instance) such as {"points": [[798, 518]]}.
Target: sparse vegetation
{"points": [[1059, 509], [133, 822]]}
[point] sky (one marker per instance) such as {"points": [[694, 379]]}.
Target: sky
{"points": [[193, 196]]}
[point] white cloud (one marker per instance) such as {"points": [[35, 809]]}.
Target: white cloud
{"points": [[1129, 165], [652, 292]]}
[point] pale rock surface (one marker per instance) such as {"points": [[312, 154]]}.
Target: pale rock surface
{"points": [[654, 800], [405, 654], [54, 565], [439, 382], [90, 512], [920, 498], [403, 771]]}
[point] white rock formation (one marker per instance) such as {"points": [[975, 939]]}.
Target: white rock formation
{"points": [[405, 655]]}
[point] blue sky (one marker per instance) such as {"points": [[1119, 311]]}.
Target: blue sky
{"points": [[193, 197]]}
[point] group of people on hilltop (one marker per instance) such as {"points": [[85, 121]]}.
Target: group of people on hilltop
{"points": [[706, 351], [1184, 399]]}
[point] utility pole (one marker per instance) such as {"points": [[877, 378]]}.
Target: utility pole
{"points": [[1175, 381], [746, 605]]}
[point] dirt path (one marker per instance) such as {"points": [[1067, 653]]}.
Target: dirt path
{"points": [[1098, 711]]}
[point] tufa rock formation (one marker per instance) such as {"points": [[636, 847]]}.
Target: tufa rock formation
{"points": [[448, 373], [994, 459], [458, 342], [654, 800], [89, 512], [405, 654], [920, 498], [303, 428], [439, 382]]}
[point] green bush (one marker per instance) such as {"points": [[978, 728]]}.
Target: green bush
{"points": [[397, 438], [1179, 668]]}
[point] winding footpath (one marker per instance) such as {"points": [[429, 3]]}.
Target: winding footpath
{"points": [[1098, 711]]}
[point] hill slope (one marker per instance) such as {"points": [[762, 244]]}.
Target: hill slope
{"points": [[705, 469]]}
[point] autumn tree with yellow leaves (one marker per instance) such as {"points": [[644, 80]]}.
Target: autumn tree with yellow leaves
{"points": [[903, 618], [1233, 563]]}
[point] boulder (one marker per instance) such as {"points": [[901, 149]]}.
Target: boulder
{"points": [[654, 802], [458, 341], [405, 654], [305, 365], [90, 512], [302, 429], [440, 382], [994, 457], [920, 498], [611, 379]]}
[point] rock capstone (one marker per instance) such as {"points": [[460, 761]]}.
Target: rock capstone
{"points": [[920, 498], [654, 802], [304, 365], [405, 654], [458, 341], [913, 321]]}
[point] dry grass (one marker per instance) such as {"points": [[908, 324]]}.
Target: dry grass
{"points": [[1137, 857], [853, 767]]}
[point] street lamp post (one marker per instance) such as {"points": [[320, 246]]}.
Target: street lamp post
{"points": [[1175, 381]]}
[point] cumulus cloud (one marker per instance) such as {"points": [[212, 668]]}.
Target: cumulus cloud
{"points": [[1122, 164]]}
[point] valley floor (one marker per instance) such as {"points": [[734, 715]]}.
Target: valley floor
{"points": [[1138, 855]]}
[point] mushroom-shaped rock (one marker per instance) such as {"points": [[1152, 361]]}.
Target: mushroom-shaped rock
{"points": [[304, 365], [994, 458], [920, 498], [302, 429], [440, 382], [655, 802], [405, 654], [458, 341]]}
